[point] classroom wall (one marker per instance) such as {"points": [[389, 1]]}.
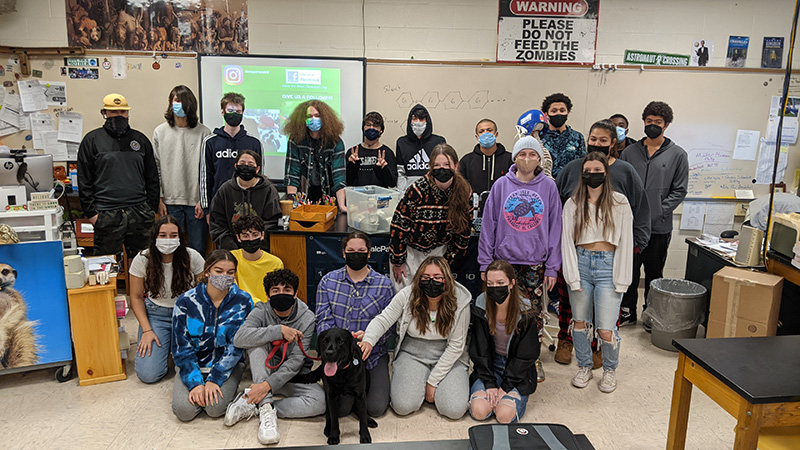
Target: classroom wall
{"points": [[452, 30]]}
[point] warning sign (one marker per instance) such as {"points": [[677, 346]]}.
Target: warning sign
{"points": [[555, 31]]}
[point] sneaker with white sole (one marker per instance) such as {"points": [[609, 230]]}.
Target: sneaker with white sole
{"points": [[581, 379], [268, 426], [609, 381], [239, 410]]}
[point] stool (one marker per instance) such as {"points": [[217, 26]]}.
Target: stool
{"points": [[779, 438]]}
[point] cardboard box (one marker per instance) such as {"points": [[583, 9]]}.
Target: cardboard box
{"points": [[744, 303]]}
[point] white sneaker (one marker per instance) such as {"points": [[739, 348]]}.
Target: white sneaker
{"points": [[581, 379], [609, 381], [268, 428], [239, 409]]}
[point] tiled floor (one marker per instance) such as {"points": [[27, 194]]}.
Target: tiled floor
{"points": [[37, 412]]}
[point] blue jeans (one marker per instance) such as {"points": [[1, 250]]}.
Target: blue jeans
{"points": [[520, 403], [151, 369], [196, 229], [597, 295]]}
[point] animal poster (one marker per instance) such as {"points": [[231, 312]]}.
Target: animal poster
{"points": [[203, 26], [34, 317]]}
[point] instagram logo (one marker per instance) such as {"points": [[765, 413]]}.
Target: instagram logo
{"points": [[233, 75]]}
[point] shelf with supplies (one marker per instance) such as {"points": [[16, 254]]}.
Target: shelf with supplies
{"points": [[42, 225]]}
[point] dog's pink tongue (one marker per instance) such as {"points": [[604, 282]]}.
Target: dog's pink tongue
{"points": [[330, 369]]}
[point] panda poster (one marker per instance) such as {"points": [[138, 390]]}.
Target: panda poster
{"points": [[34, 317]]}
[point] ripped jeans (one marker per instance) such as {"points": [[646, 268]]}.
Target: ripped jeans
{"points": [[597, 295]]}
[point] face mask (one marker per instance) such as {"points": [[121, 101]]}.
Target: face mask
{"points": [[177, 109], [356, 260], [597, 148], [252, 245], [245, 172], [281, 302], [233, 119], [557, 120], [653, 131], [371, 134], [221, 282], [486, 140], [167, 246], [418, 128], [442, 174], [432, 288], [314, 123], [526, 165], [621, 132], [593, 180], [117, 125], [497, 294]]}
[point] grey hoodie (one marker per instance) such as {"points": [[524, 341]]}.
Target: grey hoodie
{"points": [[666, 180], [263, 326]]}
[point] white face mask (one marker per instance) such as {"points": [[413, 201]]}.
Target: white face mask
{"points": [[167, 246], [418, 127]]}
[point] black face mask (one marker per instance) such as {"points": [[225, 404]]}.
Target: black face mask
{"points": [[597, 148], [245, 172], [356, 260], [593, 180], [432, 288], [497, 294], [252, 245], [653, 131], [117, 125], [281, 302], [371, 134], [557, 120], [233, 119], [442, 174]]}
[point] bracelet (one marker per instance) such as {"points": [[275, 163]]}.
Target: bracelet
{"points": [[145, 331]]}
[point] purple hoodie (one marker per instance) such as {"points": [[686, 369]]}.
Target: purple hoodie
{"points": [[522, 223]]}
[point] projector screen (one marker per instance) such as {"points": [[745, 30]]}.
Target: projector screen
{"points": [[273, 87]]}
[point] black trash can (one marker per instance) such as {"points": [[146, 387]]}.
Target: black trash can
{"points": [[675, 308]]}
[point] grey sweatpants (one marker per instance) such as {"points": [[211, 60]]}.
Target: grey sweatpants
{"points": [[411, 369], [186, 411], [300, 400]]}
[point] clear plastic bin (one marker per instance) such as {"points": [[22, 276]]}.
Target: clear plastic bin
{"points": [[370, 208]]}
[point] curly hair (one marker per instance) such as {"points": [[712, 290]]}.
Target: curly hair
{"points": [[247, 223], [446, 315], [332, 126], [461, 194], [659, 109], [556, 98], [282, 276], [184, 95], [231, 97], [375, 118], [182, 277]]}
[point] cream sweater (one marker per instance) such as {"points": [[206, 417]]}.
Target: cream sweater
{"points": [[177, 151], [622, 237]]}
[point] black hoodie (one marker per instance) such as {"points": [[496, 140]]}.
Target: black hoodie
{"points": [[413, 153], [481, 171], [218, 157], [232, 202]]}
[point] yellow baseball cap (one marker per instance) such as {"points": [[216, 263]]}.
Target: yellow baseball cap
{"points": [[115, 102]]}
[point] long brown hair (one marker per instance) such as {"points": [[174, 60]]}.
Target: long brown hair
{"points": [[189, 102], [182, 276], [608, 126], [461, 194], [216, 256], [603, 213], [514, 299], [446, 315], [332, 126]]}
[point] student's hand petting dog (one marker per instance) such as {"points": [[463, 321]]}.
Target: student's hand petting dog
{"points": [[290, 334], [359, 335], [550, 282], [145, 346], [366, 349], [430, 393], [197, 396], [399, 272], [257, 392], [213, 393]]}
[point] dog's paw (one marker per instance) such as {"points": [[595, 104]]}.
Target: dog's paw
{"points": [[327, 430], [365, 438], [333, 440], [371, 423]]}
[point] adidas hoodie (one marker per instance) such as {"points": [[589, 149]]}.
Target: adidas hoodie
{"points": [[217, 159], [413, 153]]}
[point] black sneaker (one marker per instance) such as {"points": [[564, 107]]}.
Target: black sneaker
{"points": [[626, 318]]}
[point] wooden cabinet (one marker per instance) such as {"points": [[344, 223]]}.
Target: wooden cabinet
{"points": [[95, 333]]}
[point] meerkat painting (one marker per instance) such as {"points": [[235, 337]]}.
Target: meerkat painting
{"points": [[17, 338]]}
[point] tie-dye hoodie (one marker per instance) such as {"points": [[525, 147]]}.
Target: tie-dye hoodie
{"points": [[202, 335]]}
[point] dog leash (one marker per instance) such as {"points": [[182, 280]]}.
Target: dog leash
{"points": [[284, 344]]}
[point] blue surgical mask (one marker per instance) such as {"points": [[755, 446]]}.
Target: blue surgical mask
{"points": [[486, 140], [314, 123], [620, 134], [177, 109]]}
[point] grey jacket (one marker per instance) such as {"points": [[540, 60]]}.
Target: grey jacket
{"points": [[399, 312], [666, 180], [263, 326]]}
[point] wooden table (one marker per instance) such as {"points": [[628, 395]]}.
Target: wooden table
{"points": [[756, 380]]}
